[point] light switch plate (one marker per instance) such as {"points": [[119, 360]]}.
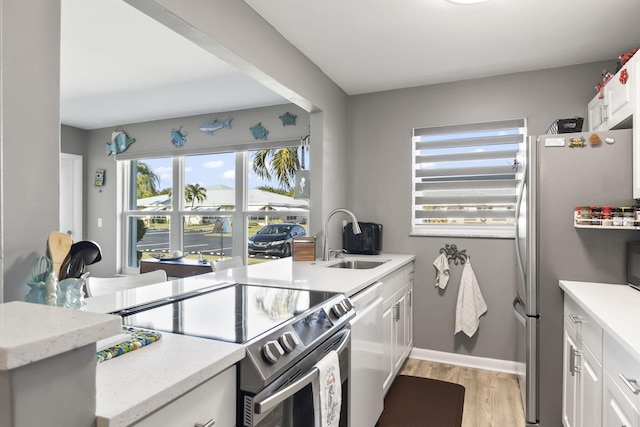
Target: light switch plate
{"points": [[554, 142]]}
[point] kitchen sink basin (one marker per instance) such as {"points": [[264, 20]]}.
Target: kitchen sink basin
{"points": [[357, 264]]}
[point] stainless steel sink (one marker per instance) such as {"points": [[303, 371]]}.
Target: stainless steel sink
{"points": [[356, 264]]}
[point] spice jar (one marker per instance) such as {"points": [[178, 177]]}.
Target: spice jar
{"points": [[607, 219], [576, 215], [616, 216], [596, 213], [585, 215], [636, 215], [627, 216]]}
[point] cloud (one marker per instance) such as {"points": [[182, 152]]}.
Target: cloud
{"points": [[164, 172], [213, 164], [188, 169], [230, 174]]}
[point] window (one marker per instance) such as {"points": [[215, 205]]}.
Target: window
{"points": [[465, 179], [205, 203]]}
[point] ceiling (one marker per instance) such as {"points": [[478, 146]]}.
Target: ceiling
{"points": [[119, 66]]}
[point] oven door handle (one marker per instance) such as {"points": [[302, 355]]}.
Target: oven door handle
{"points": [[275, 399]]}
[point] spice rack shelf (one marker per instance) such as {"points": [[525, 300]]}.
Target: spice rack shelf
{"points": [[605, 227]]}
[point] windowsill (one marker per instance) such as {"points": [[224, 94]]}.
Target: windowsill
{"points": [[471, 233]]}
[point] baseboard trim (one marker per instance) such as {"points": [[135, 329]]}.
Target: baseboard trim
{"points": [[506, 366]]}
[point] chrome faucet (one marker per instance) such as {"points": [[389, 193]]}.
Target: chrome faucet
{"points": [[356, 230]]}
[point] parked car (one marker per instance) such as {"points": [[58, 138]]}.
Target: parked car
{"points": [[275, 239]]}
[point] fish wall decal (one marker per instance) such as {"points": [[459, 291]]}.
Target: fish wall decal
{"points": [[120, 141], [213, 125], [259, 132], [178, 137]]}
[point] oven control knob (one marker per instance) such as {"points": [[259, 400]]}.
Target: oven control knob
{"points": [[288, 341], [339, 310], [272, 351], [347, 304]]}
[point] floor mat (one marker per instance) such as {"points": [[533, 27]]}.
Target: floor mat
{"points": [[422, 402]]}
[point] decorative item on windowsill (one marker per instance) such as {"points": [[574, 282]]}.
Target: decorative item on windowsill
{"points": [[120, 141], [259, 132], [178, 137], [214, 125]]}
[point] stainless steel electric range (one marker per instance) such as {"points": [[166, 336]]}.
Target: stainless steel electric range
{"points": [[285, 332]]}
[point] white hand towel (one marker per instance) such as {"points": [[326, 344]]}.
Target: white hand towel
{"points": [[442, 274], [327, 391], [471, 304]]}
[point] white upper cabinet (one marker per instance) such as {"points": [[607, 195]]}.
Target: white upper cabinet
{"points": [[614, 105]]}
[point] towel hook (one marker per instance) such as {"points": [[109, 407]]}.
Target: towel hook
{"points": [[453, 254]]}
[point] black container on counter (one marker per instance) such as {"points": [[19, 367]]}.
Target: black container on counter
{"points": [[368, 242]]}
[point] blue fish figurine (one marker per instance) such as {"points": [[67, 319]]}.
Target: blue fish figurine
{"points": [[259, 132], [120, 141], [213, 125], [288, 119], [178, 137]]}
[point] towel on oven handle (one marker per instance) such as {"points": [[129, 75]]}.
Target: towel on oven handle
{"points": [[327, 391]]}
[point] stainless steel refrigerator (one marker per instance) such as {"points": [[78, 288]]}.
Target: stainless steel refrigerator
{"points": [[555, 178]]}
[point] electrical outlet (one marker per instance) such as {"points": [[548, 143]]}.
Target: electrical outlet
{"points": [[99, 222]]}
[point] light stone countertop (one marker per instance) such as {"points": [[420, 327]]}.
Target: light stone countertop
{"points": [[615, 307], [33, 332], [282, 273], [135, 384]]}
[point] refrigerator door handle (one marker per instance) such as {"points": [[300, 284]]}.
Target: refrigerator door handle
{"points": [[517, 229], [516, 303]]}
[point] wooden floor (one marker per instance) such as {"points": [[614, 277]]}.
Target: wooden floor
{"points": [[492, 399]]}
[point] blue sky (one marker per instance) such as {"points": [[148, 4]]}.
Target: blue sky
{"points": [[206, 170]]}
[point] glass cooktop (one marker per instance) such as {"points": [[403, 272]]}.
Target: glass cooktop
{"points": [[237, 313]]}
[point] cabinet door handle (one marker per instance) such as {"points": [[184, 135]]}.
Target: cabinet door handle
{"points": [[572, 360], [574, 354], [632, 384], [396, 311], [209, 423], [409, 298], [575, 319]]}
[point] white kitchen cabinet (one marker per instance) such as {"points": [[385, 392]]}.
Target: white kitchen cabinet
{"points": [[397, 321], [212, 403], [621, 404], [612, 108], [582, 368], [569, 377], [366, 398], [617, 410]]}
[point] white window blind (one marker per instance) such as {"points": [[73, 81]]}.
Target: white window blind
{"points": [[464, 180]]}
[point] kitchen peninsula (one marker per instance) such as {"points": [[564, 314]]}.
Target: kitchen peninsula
{"points": [[138, 385]]}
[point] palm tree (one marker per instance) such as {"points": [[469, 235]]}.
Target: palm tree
{"points": [[280, 163], [148, 181], [193, 192]]}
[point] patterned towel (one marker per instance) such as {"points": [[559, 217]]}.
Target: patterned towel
{"points": [[139, 338]]}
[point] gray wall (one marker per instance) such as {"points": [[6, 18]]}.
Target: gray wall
{"points": [[379, 188], [73, 140], [30, 136]]}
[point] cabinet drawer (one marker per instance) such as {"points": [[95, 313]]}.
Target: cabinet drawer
{"points": [[213, 400], [395, 281], [586, 327], [624, 370]]}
